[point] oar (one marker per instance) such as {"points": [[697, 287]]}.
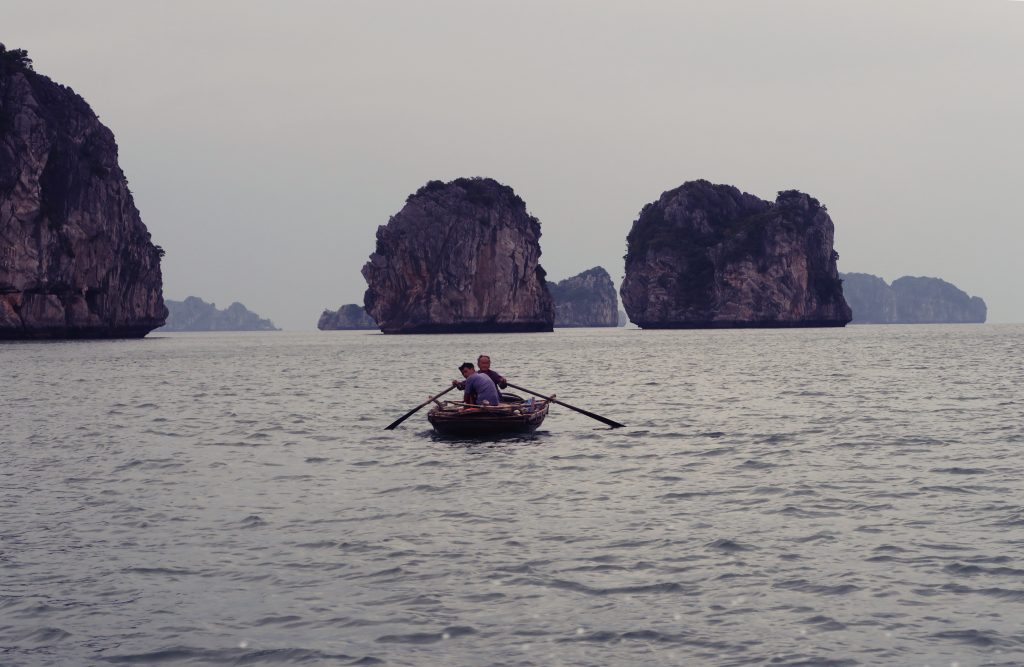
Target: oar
{"points": [[613, 424], [401, 419]]}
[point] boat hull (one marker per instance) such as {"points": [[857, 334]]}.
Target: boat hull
{"points": [[467, 423]]}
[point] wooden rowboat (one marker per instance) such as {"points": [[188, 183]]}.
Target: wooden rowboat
{"points": [[512, 415]]}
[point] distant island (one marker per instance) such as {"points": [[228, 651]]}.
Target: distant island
{"points": [[351, 316], [585, 300], [910, 300], [710, 256], [76, 261], [194, 314]]}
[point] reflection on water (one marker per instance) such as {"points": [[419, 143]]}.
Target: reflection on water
{"points": [[819, 497]]}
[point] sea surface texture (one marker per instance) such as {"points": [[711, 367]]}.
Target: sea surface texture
{"points": [[779, 497]]}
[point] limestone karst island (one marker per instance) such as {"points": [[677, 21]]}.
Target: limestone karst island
{"points": [[349, 316], [464, 256], [76, 261], [460, 257], [194, 314], [586, 300], [711, 256], [910, 300]]}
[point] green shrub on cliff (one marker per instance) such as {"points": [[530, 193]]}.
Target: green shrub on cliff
{"points": [[14, 60]]}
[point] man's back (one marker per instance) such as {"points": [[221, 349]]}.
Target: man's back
{"points": [[484, 389]]}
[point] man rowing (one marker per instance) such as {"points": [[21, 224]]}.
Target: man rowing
{"points": [[484, 362], [479, 388]]}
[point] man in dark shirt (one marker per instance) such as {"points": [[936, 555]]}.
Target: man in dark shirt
{"points": [[479, 388], [484, 362]]}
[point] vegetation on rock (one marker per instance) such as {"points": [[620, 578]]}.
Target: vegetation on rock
{"points": [[14, 60]]}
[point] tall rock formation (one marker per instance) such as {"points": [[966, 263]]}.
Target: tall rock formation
{"points": [[710, 256], [75, 259], [585, 300], [459, 257], [349, 316], [194, 314], [910, 300]]}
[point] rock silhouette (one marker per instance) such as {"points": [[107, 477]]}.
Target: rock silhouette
{"points": [[349, 316], [910, 300], [711, 256], [459, 257], [585, 300], [76, 261], [194, 314]]}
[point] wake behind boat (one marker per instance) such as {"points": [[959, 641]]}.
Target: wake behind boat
{"points": [[511, 415]]}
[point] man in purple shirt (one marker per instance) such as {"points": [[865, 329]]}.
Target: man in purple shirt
{"points": [[479, 389], [484, 362]]}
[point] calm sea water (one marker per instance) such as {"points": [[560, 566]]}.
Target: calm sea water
{"points": [[814, 497]]}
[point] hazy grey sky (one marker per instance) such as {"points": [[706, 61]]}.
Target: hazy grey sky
{"points": [[266, 141]]}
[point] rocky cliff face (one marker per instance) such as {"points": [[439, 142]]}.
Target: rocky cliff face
{"points": [[710, 256], [585, 300], [459, 257], [75, 259], [349, 316], [194, 314], [910, 300]]}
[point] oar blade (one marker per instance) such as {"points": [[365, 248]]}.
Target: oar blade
{"points": [[393, 425], [610, 422], [605, 420]]}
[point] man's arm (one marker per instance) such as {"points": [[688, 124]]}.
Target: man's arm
{"points": [[499, 380]]}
